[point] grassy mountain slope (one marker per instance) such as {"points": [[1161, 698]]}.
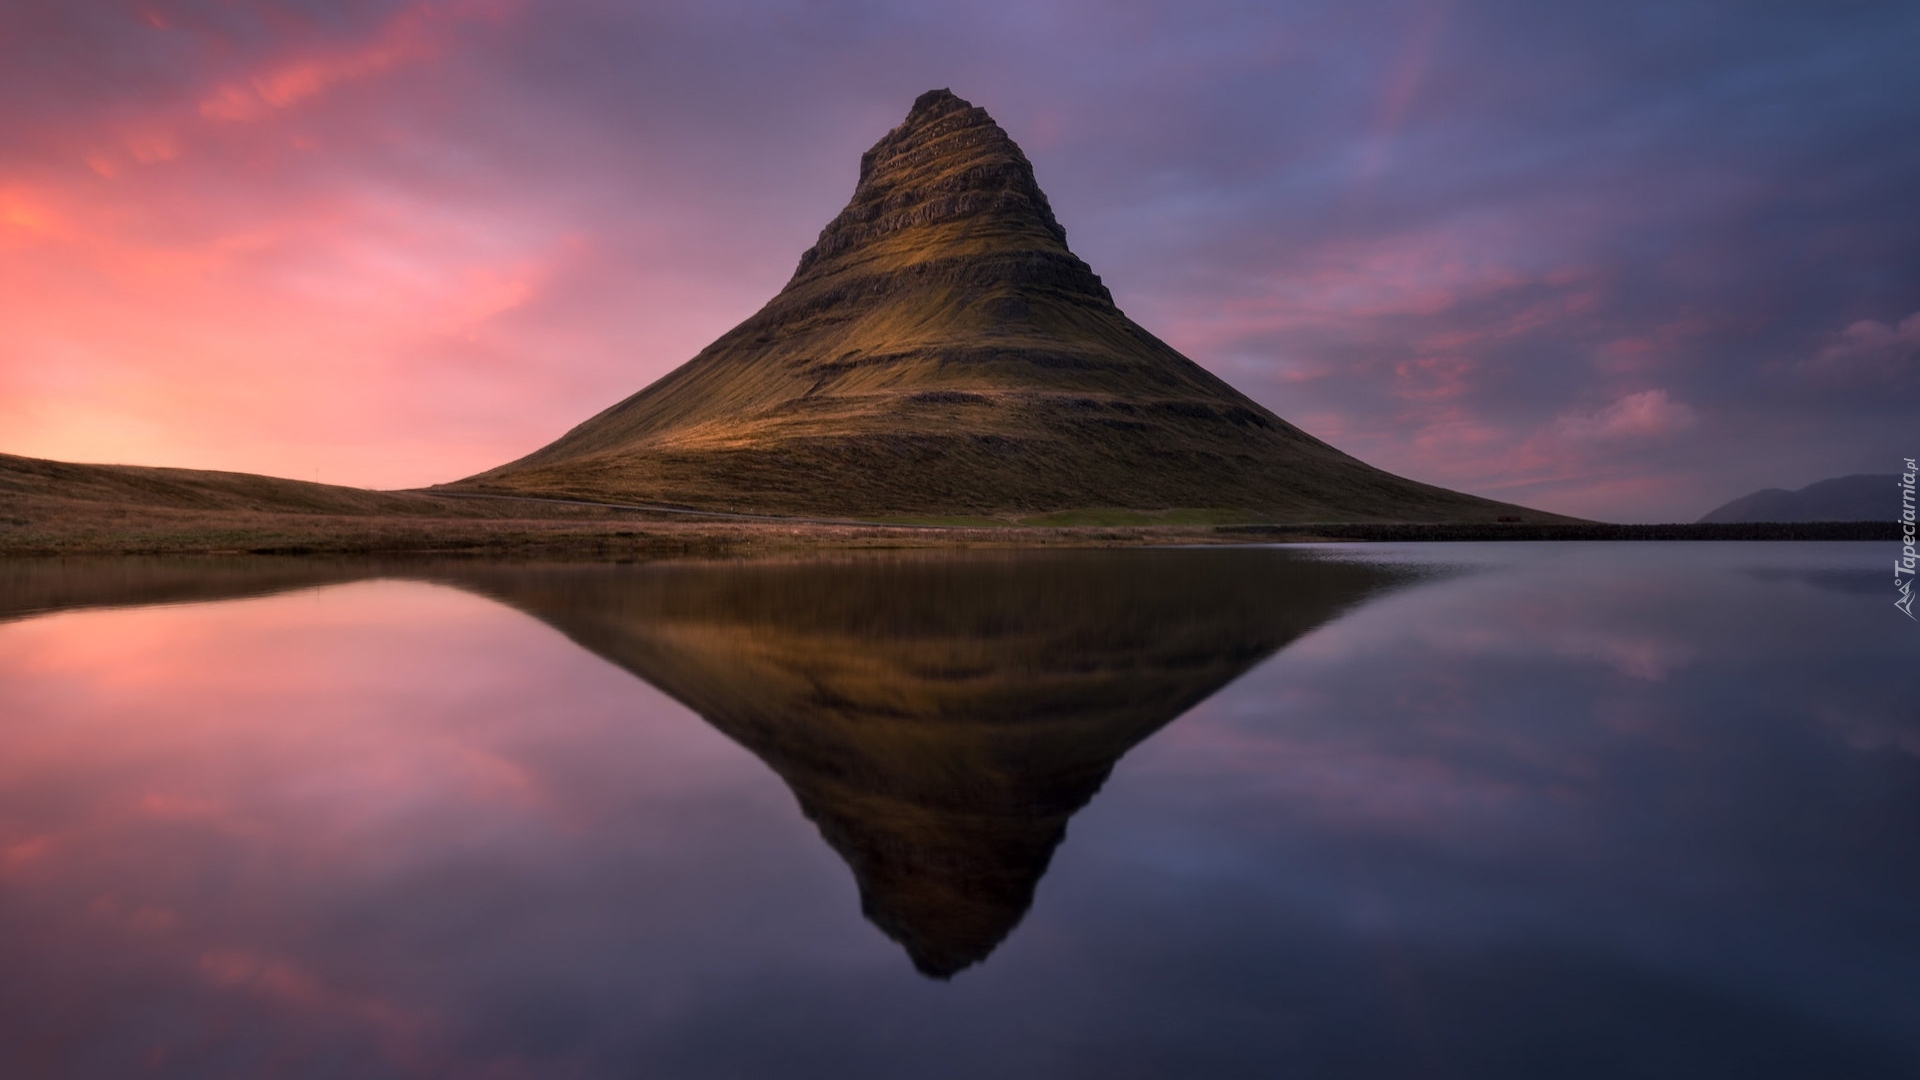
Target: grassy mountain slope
{"points": [[940, 351]]}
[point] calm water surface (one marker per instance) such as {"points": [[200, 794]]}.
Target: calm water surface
{"points": [[1397, 810]]}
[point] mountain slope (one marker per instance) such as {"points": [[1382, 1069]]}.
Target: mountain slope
{"points": [[940, 351], [1861, 497]]}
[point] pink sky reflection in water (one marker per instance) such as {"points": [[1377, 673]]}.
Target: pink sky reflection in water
{"points": [[289, 838]]}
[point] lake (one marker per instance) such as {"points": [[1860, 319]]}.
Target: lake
{"points": [[1441, 810]]}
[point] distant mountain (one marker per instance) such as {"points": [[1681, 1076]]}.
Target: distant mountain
{"points": [[1863, 497], [941, 352]]}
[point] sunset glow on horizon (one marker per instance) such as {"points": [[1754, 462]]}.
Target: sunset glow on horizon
{"points": [[1620, 261]]}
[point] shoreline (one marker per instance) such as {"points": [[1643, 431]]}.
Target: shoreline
{"points": [[127, 532], [53, 509]]}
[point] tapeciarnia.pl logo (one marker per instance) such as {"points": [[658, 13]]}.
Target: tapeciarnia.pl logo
{"points": [[1904, 564]]}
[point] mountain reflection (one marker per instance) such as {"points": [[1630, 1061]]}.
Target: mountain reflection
{"points": [[938, 718], [941, 719]]}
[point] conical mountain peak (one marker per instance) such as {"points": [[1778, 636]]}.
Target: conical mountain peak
{"points": [[934, 104], [948, 178], [940, 352]]}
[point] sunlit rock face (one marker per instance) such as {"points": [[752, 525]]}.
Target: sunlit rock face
{"points": [[940, 350], [941, 719]]}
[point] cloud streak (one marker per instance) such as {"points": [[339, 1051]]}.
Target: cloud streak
{"points": [[1649, 414]]}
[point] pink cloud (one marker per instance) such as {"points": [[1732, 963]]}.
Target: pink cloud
{"points": [[164, 128], [1432, 378], [1869, 350], [1648, 414], [1650, 348], [286, 83], [1404, 79], [1455, 434], [1340, 283]]}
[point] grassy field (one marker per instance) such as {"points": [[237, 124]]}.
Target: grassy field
{"points": [[56, 508], [60, 508]]}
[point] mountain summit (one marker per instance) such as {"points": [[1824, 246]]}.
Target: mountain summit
{"points": [[940, 351]]}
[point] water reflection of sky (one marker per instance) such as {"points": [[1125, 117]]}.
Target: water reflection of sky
{"points": [[1652, 802], [1569, 810]]}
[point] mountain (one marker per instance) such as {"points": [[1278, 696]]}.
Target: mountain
{"points": [[940, 719], [1861, 497], [940, 351]]}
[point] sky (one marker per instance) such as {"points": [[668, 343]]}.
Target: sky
{"points": [[1623, 259]]}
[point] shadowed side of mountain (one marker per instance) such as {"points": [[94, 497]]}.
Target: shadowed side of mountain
{"points": [[941, 351], [1861, 497], [941, 719]]}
